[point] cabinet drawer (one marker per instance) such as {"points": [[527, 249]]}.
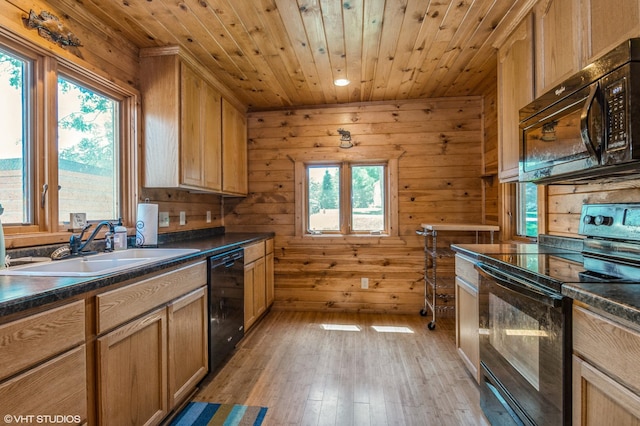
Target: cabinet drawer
{"points": [[465, 270], [123, 304], [268, 248], [253, 252], [27, 341], [57, 387], [614, 348]]}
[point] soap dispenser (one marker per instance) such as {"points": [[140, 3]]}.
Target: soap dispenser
{"points": [[3, 253]]}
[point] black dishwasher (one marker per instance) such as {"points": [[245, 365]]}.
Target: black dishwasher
{"points": [[226, 305]]}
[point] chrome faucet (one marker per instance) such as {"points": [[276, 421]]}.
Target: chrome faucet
{"points": [[77, 246]]}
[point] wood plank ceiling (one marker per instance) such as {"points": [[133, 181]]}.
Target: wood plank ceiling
{"points": [[284, 53]]}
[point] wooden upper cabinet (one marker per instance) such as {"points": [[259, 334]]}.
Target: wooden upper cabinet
{"points": [[182, 125], [557, 42], [234, 150], [606, 24], [515, 90]]}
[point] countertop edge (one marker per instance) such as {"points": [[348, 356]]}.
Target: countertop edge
{"points": [[70, 287]]}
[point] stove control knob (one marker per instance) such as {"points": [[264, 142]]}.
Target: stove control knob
{"points": [[603, 220], [588, 219]]}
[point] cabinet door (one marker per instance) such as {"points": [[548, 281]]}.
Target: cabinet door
{"points": [[269, 279], [259, 288], [467, 320], [515, 90], [607, 23], [211, 120], [188, 349], [132, 372], [191, 164], [56, 387], [249, 313], [557, 44], [600, 400], [234, 150]]}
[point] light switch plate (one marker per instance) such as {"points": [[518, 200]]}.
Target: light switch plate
{"points": [[208, 216], [183, 218], [163, 219]]}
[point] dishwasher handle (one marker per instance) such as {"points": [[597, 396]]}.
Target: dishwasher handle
{"points": [[226, 259], [520, 286]]}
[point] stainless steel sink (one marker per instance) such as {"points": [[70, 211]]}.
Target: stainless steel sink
{"points": [[98, 264]]}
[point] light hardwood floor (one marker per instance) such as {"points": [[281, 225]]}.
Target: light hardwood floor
{"points": [[307, 375]]}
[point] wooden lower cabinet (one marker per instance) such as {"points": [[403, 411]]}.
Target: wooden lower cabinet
{"points": [[55, 391], [132, 372], [269, 278], [155, 350], [255, 301], [467, 319], [188, 344], [43, 366], [606, 379], [600, 400], [258, 280]]}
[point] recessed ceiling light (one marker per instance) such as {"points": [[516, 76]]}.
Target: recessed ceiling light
{"points": [[341, 82]]}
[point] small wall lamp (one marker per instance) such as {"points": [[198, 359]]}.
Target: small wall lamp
{"points": [[345, 138]]}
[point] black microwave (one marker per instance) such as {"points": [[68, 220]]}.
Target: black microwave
{"points": [[584, 128]]}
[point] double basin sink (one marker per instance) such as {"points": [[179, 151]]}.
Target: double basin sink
{"points": [[98, 264]]}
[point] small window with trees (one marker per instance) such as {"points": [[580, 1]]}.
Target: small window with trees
{"points": [[347, 196], [527, 210], [88, 162]]}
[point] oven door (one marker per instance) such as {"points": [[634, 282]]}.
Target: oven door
{"points": [[563, 139], [524, 351]]}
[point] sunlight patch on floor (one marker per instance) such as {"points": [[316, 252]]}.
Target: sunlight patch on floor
{"points": [[340, 327], [391, 329]]}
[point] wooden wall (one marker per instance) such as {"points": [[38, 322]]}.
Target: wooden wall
{"points": [[439, 181], [564, 202], [491, 186]]}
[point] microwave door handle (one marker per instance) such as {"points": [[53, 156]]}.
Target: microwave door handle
{"points": [[519, 286], [584, 122]]}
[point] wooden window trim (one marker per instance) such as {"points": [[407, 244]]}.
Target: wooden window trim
{"points": [[361, 155], [46, 229]]}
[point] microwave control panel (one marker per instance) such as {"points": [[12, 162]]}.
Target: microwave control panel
{"points": [[616, 107]]}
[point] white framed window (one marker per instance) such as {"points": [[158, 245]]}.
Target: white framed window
{"points": [[347, 194]]}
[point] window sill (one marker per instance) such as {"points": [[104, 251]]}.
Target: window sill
{"points": [[334, 239]]}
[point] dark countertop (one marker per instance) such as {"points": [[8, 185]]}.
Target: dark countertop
{"points": [[619, 301], [18, 293]]}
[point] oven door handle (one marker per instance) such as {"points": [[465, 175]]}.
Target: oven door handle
{"points": [[520, 286]]}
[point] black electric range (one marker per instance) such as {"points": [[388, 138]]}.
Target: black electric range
{"points": [[525, 321]]}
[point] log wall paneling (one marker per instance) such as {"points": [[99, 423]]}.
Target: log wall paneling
{"points": [[439, 181], [564, 202]]}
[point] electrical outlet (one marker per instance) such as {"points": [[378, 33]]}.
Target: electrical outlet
{"points": [[183, 218], [163, 219], [364, 282], [208, 216]]}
